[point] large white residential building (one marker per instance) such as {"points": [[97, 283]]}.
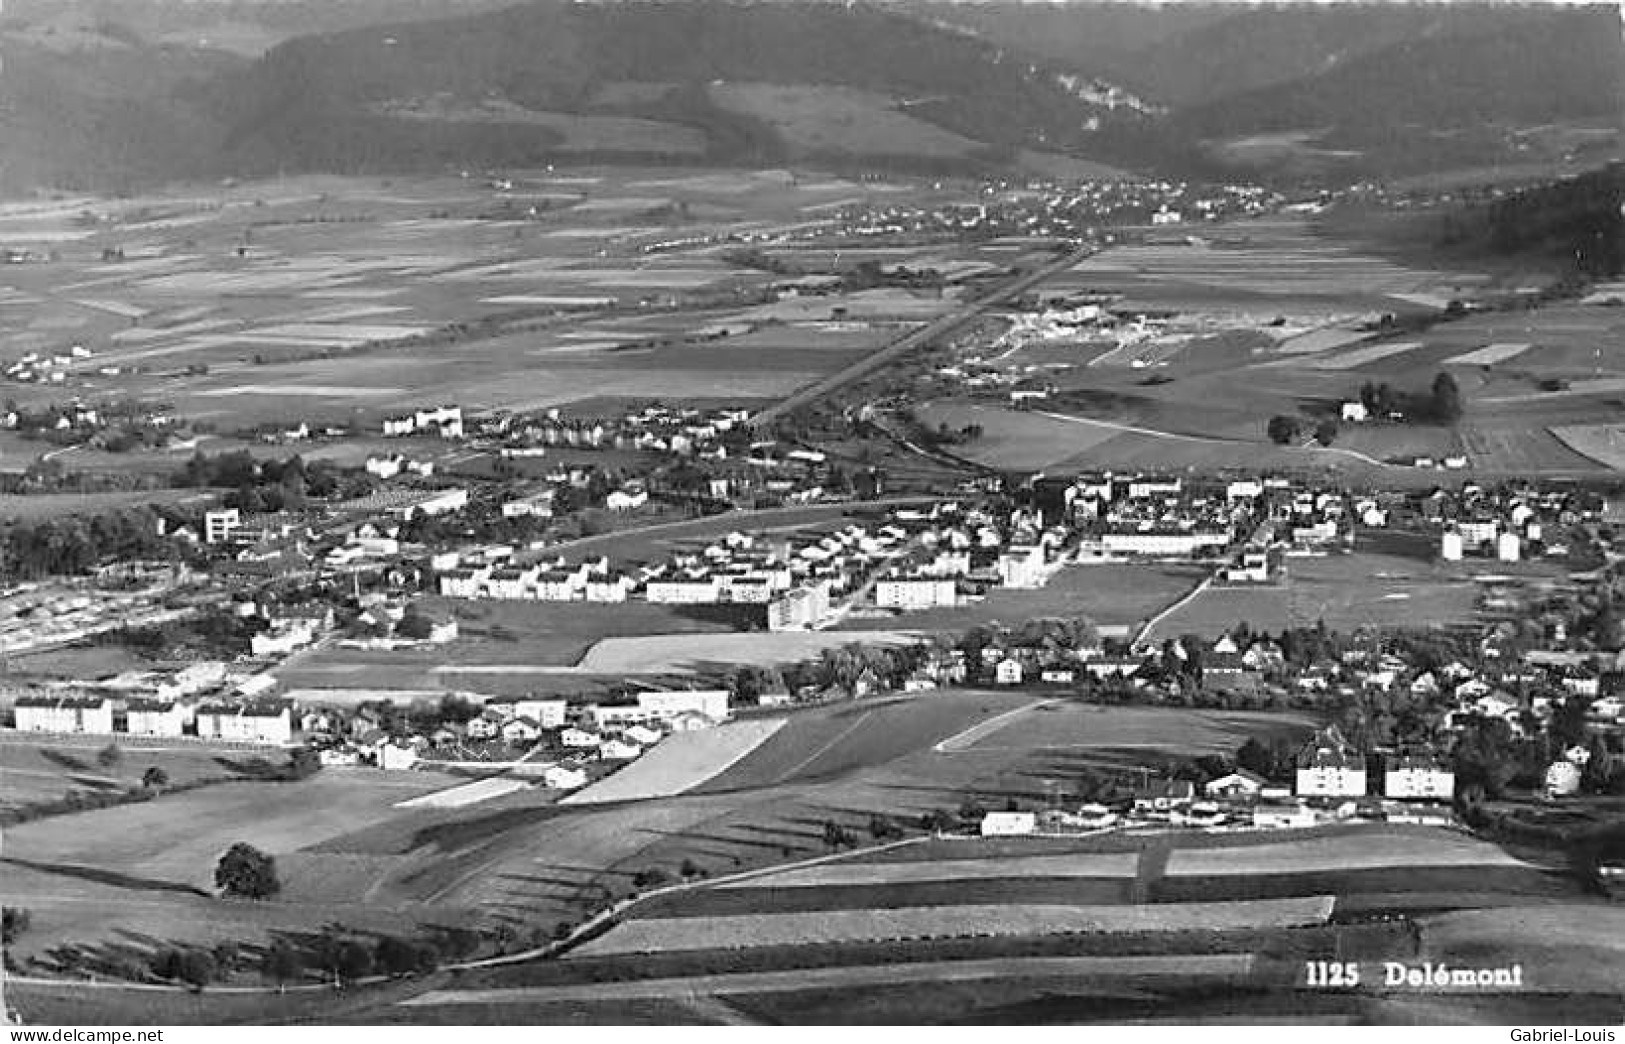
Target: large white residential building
{"points": [[165, 718], [246, 723], [49, 713], [1329, 767], [918, 592], [1418, 777]]}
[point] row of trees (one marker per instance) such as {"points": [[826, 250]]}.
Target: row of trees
{"points": [[76, 544]]}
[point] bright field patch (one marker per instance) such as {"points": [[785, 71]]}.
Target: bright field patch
{"points": [[1603, 443], [465, 794], [1489, 355], [932, 922], [1359, 851], [1114, 864], [680, 762], [1361, 356]]}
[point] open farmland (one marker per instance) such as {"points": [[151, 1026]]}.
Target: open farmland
{"points": [[331, 295], [1108, 594], [925, 922], [1087, 726], [1346, 591], [1341, 852], [842, 874]]}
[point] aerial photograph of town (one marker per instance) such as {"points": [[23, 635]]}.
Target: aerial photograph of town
{"points": [[806, 512]]}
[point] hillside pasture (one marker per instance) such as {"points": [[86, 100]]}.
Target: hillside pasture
{"points": [[40, 769], [821, 120], [177, 839], [1603, 443]]}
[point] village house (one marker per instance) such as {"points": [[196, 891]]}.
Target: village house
{"points": [[564, 777], [580, 739], [618, 750], [1008, 824], [520, 730], [1240, 785]]}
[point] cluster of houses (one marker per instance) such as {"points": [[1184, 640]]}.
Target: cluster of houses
{"points": [[658, 428], [1332, 782], [1049, 209], [36, 368], [574, 737]]}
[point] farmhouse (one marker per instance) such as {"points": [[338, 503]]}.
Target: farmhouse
{"points": [[1239, 785], [90, 714]]}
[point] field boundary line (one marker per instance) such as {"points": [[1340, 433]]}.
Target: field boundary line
{"points": [[960, 741], [825, 749]]}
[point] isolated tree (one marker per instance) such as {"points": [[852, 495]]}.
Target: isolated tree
{"points": [[109, 756], [155, 778], [1446, 399], [246, 871], [196, 968], [14, 921], [1283, 429], [1326, 432]]}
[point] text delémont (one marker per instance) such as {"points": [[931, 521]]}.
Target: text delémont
{"points": [[1440, 976]]}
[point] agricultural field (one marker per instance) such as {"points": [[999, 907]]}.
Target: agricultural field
{"points": [[680, 762], [1304, 303], [829, 927], [1108, 594], [1346, 591], [1067, 726], [343, 297], [880, 930]]}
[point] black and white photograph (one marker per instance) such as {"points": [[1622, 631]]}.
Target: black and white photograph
{"points": [[1071, 514]]}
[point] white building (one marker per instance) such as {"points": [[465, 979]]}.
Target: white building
{"points": [[1008, 672], [246, 723], [88, 714], [1329, 767], [1009, 824], [799, 609], [1418, 778], [1022, 566], [165, 718], [218, 525], [912, 593], [564, 777], [1162, 543], [397, 757]]}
